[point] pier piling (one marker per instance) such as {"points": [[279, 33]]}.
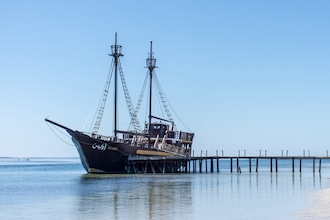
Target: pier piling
{"points": [[211, 165], [292, 165], [276, 164], [237, 165], [257, 164]]}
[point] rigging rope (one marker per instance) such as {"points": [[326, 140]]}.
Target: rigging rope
{"points": [[101, 106], [134, 119], [58, 135], [160, 102], [138, 105], [171, 106], [162, 97]]}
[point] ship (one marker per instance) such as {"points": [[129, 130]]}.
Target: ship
{"points": [[159, 137]]}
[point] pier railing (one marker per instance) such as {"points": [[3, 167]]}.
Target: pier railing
{"points": [[260, 153]]}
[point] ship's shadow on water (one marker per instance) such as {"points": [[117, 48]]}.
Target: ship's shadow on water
{"points": [[122, 196]]}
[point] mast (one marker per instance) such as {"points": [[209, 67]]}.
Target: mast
{"points": [[116, 53], [151, 65]]}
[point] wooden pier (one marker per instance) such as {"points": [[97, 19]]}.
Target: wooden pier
{"points": [[211, 164]]}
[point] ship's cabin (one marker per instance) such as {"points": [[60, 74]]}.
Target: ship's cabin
{"points": [[160, 129]]}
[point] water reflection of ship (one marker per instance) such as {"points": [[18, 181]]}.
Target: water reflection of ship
{"points": [[131, 197], [159, 138]]}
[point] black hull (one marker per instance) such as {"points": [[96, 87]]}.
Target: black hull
{"points": [[100, 156]]}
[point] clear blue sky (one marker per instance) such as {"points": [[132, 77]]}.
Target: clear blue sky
{"points": [[243, 75]]}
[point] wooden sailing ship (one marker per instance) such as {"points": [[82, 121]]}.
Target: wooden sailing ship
{"points": [[110, 154]]}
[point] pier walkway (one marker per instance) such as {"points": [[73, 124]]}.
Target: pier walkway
{"points": [[211, 164]]}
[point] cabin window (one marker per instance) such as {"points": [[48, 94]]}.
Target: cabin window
{"points": [[158, 129]]}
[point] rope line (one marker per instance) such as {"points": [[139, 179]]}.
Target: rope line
{"points": [[59, 136]]}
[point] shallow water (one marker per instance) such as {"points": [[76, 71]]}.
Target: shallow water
{"points": [[58, 188]]}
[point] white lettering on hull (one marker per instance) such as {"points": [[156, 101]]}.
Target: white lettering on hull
{"points": [[102, 147]]}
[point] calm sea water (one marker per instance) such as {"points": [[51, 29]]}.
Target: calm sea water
{"points": [[41, 188]]}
